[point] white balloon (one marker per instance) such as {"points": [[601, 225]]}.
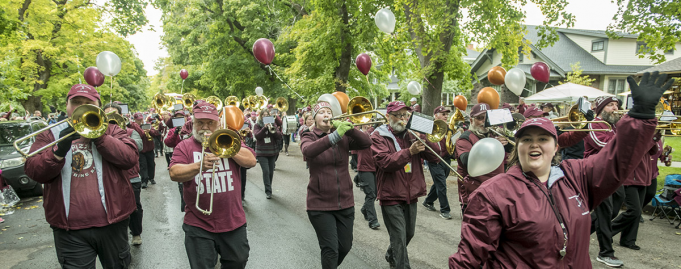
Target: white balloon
{"points": [[385, 20], [108, 63], [335, 105], [258, 91], [515, 80], [414, 88], [485, 157]]}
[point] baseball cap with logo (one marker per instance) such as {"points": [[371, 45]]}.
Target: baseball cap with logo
{"points": [[544, 123], [396, 105], [138, 116], [533, 111], [441, 109], [205, 110], [478, 109], [83, 90]]}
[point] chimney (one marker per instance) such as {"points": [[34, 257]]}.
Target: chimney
{"points": [[470, 47]]}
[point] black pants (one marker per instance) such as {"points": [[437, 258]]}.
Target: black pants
{"points": [[158, 145], [243, 183], [287, 140], [267, 166], [203, 247], [353, 161], [400, 221], [439, 173], [169, 157], [601, 222], [368, 182], [650, 192], [334, 233], [147, 166], [80, 248], [136, 216], [182, 203], [627, 223]]}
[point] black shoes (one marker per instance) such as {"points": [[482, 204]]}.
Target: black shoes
{"points": [[152, 181], [429, 206], [269, 196], [634, 246], [364, 213], [144, 185], [374, 225]]}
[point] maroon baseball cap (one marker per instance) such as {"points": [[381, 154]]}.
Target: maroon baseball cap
{"points": [[205, 110], [506, 105], [478, 109], [533, 112], [178, 112], [138, 116], [83, 90], [441, 109], [396, 105], [543, 123]]}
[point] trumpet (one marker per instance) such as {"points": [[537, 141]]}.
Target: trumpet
{"points": [[492, 129], [576, 119], [87, 120], [224, 143], [359, 109], [243, 132]]}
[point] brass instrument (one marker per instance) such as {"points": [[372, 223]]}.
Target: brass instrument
{"points": [[359, 111], [243, 132], [87, 120], [453, 122], [577, 120], [232, 101], [214, 100], [281, 104], [493, 129], [245, 103], [259, 102], [224, 143], [188, 101], [438, 155], [439, 131], [160, 102], [115, 118]]}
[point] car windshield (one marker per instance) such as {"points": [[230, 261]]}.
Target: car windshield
{"points": [[11, 132]]}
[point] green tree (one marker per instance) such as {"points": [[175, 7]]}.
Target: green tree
{"points": [[656, 22], [576, 77]]}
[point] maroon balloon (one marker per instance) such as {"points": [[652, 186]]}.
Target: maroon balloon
{"points": [[184, 73], [263, 49], [93, 76], [363, 63], [540, 71]]}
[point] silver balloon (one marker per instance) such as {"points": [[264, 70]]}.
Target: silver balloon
{"points": [[108, 63], [335, 105], [414, 88], [385, 20], [485, 157], [515, 80], [258, 91]]}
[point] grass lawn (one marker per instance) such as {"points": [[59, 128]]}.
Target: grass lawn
{"points": [[664, 171], [675, 143]]}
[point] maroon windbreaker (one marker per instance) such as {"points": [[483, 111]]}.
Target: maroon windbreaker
{"points": [[509, 222], [330, 186], [135, 170], [463, 147], [119, 153], [365, 160], [147, 145], [394, 184]]}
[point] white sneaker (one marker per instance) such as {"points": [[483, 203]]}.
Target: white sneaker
{"points": [[136, 240], [610, 261]]}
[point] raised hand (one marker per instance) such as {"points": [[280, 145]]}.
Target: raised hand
{"points": [[647, 94]]}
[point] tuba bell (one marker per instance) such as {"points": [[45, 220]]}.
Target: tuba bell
{"points": [[439, 131], [188, 101], [281, 104], [232, 101], [454, 121], [214, 100]]}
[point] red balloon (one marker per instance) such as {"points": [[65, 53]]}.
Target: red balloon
{"points": [[363, 62], [93, 76], [184, 73], [540, 71], [263, 49]]}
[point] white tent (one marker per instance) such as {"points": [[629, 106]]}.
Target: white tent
{"points": [[568, 92]]}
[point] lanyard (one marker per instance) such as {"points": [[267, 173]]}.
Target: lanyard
{"points": [[563, 251]]}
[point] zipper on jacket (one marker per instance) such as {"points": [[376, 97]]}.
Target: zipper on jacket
{"points": [[335, 169], [563, 251]]}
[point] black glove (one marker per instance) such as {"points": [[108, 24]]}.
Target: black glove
{"points": [[647, 94], [64, 146], [589, 115], [178, 129]]}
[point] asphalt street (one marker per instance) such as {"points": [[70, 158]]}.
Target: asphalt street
{"points": [[280, 234]]}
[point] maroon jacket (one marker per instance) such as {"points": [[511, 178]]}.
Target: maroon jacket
{"points": [[394, 184], [569, 139], [135, 171], [172, 139], [365, 160], [522, 108], [463, 147], [330, 186], [509, 222], [261, 133], [653, 160], [146, 144], [119, 153]]}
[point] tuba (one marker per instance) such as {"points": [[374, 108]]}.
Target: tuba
{"points": [[188, 101], [232, 101], [281, 104], [455, 120]]}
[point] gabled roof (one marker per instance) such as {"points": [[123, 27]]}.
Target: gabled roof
{"points": [[672, 66], [594, 33], [472, 54]]}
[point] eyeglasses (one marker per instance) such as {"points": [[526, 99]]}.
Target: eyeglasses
{"points": [[480, 117], [399, 116]]}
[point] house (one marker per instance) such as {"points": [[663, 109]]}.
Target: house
{"points": [[608, 61], [673, 70]]}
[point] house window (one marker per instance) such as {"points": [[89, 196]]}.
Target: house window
{"points": [[669, 52], [642, 47], [616, 85], [597, 45], [520, 56]]}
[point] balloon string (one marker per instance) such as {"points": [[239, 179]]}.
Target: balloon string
{"points": [[282, 81], [111, 94], [370, 90], [182, 89], [78, 65]]}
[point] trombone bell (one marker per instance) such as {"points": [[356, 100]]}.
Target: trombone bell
{"points": [[439, 131]]}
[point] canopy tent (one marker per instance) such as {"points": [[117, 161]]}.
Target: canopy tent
{"points": [[568, 92]]}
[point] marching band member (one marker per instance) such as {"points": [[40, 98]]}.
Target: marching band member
{"points": [[171, 140], [330, 202], [223, 232], [439, 172], [536, 214], [146, 156], [87, 195], [398, 156], [286, 134], [308, 121], [366, 176], [464, 145], [248, 140], [266, 136]]}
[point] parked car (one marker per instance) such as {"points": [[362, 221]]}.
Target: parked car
{"points": [[12, 162]]}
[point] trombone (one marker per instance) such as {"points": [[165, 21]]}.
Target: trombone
{"points": [[224, 143], [439, 132], [87, 120], [359, 109], [577, 120], [115, 118]]}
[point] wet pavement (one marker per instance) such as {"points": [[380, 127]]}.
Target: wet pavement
{"points": [[280, 234]]}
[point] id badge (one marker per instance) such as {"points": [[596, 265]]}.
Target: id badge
{"points": [[267, 140], [407, 168]]}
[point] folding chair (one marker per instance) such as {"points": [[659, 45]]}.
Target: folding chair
{"points": [[664, 203]]}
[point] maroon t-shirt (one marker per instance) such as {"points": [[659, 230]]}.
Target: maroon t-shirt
{"points": [[228, 214], [85, 209]]}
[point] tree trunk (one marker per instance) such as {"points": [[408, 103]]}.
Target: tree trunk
{"points": [[292, 104], [34, 102], [343, 70]]}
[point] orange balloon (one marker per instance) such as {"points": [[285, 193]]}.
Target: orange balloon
{"points": [[496, 75], [461, 102], [234, 117], [343, 100], [490, 96]]}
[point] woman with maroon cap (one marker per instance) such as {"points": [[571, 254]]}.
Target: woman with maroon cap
{"points": [[266, 136], [536, 215], [330, 202]]}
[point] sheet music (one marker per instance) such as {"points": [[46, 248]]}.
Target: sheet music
{"points": [[124, 109], [268, 119], [178, 121], [421, 124], [499, 116]]}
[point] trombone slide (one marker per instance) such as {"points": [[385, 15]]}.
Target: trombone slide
{"points": [[438, 155]]}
